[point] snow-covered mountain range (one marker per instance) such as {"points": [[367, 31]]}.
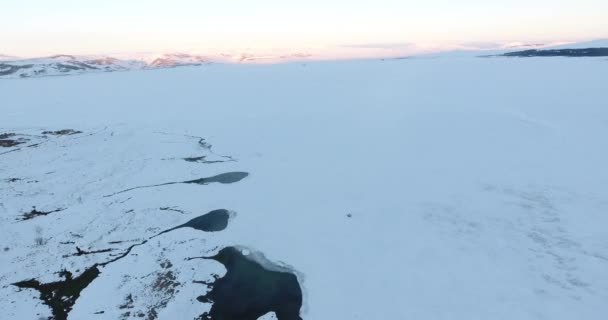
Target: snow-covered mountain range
{"points": [[64, 65], [11, 67], [69, 64]]}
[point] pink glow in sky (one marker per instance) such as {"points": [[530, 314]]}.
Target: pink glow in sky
{"points": [[330, 27]]}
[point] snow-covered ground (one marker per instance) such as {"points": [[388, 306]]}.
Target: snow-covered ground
{"points": [[439, 188]]}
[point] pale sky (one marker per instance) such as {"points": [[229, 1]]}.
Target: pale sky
{"points": [[41, 27]]}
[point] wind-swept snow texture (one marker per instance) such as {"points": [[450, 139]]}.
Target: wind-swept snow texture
{"points": [[445, 188]]}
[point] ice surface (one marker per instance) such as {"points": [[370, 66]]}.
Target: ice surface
{"points": [[401, 189]]}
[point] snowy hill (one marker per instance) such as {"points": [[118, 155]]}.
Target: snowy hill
{"points": [[11, 67], [64, 65], [178, 59], [69, 65], [5, 57], [400, 189]]}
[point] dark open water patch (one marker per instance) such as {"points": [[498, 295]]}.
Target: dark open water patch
{"points": [[224, 178], [250, 290], [213, 221], [60, 296]]}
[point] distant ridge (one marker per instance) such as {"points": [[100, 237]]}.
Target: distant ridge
{"points": [[6, 57], [587, 52], [595, 48]]}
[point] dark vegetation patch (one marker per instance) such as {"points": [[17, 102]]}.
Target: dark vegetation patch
{"points": [[249, 290], [13, 140], [588, 52], [80, 252], [64, 132], [166, 281], [166, 264], [34, 213], [6, 143], [171, 209], [202, 159], [7, 135], [224, 178], [121, 241], [166, 285], [152, 314], [10, 139], [8, 69], [128, 304]]}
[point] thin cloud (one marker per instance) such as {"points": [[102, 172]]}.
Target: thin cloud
{"points": [[385, 46]]}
